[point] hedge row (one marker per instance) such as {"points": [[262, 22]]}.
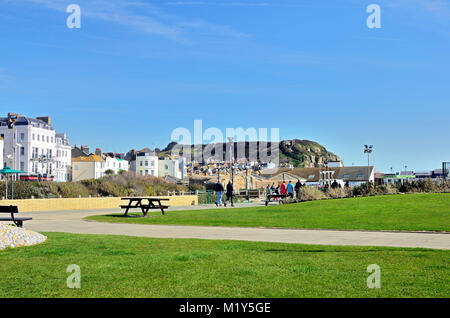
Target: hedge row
{"points": [[125, 184]]}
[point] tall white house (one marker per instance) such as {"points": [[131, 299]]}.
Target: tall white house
{"points": [[31, 145], [146, 164], [63, 159], [2, 164]]}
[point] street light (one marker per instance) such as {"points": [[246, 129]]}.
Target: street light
{"points": [[230, 140], [368, 150]]}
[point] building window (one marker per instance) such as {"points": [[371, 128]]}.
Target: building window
{"points": [[360, 176], [346, 176], [38, 137], [22, 136]]}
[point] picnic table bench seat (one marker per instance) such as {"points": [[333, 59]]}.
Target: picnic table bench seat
{"points": [[12, 209], [273, 197], [152, 203]]}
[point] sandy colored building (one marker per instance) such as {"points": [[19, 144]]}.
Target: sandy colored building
{"points": [[87, 167]]}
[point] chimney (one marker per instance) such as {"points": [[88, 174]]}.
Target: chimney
{"points": [[98, 152], [85, 149], [45, 119]]}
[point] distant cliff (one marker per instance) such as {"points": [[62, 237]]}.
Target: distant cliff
{"points": [[300, 153], [305, 153]]}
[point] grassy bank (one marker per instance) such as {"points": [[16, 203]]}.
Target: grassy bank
{"points": [[116, 266], [408, 212]]}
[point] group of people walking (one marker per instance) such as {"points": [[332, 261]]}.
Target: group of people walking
{"points": [[218, 188], [285, 189], [289, 189]]}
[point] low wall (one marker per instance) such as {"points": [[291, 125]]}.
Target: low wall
{"points": [[35, 205]]}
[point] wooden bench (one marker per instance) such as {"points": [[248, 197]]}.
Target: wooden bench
{"points": [[12, 209], [274, 197], [153, 203]]}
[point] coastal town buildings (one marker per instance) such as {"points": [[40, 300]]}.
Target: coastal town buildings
{"points": [[30, 145]]}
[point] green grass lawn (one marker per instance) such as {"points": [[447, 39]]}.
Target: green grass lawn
{"points": [[118, 266], [409, 212]]}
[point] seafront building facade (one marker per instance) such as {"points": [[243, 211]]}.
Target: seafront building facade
{"points": [[30, 145]]}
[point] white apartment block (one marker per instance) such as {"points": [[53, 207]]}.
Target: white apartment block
{"points": [[115, 164], [146, 164], [33, 148]]}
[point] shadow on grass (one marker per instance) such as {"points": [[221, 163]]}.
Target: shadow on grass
{"points": [[351, 251]]}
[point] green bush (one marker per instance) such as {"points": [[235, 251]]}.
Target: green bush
{"points": [[339, 193], [311, 193]]}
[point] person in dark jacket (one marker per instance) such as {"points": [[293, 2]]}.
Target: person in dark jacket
{"points": [[218, 187], [298, 185], [229, 194]]}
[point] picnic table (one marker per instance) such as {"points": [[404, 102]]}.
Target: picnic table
{"points": [[144, 204], [275, 198]]}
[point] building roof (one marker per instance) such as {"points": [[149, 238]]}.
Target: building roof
{"points": [[25, 121], [352, 173], [90, 158]]}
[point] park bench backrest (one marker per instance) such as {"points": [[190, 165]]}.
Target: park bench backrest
{"points": [[9, 209]]}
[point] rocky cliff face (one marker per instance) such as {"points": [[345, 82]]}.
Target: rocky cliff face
{"points": [[300, 153], [305, 153]]}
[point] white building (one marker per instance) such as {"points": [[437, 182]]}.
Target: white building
{"points": [[146, 164], [88, 167], [33, 146], [2, 164], [63, 162], [115, 164], [172, 167]]}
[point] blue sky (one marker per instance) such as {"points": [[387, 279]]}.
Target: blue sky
{"points": [[138, 69]]}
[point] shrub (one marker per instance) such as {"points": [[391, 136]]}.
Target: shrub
{"points": [[367, 188], [387, 189], [311, 193], [339, 193], [109, 172]]}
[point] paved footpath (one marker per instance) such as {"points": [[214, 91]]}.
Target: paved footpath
{"points": [[72, 222]]}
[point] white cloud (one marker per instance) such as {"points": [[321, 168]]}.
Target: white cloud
{"points": [[141, 16]]}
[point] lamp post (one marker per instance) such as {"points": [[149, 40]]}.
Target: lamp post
{"points": [[368, 150], [12, 118], [231, 149]]}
